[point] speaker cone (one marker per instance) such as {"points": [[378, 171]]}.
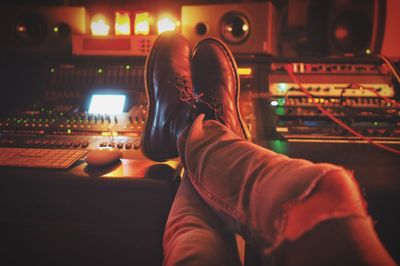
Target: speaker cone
{"points": [[234, 28], [351, 32], [31, 29]]}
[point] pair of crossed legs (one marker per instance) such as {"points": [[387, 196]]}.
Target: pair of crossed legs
{"points": [[293, 211]]}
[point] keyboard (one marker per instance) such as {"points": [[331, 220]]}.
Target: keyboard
{"points": [[42, 158]]}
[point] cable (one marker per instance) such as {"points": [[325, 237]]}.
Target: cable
{"points": [[390, 65], [394, 72], [333, 118]]}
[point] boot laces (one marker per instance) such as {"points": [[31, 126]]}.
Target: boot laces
{"points": [[219, 110], [187, 95], [186, 92]]}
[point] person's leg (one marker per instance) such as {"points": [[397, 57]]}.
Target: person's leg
{"points": [[297, 212], [350, 240], [290, 208], [194, 235]]}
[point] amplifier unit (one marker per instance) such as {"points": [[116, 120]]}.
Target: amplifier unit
{"points": [[246, 28], [360, 95]]}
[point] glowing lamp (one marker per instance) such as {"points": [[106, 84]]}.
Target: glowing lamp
{"points": [[122, 23], [166, 23], [99, 25], [244, 71], [21, 28], [142, 23]]}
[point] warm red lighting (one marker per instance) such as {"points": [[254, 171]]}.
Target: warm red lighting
{"points": [[99, 25], [122, 23], [166, 23], [142, 23], [341, 33]]}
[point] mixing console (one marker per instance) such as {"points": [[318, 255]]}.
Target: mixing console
{"points": [[60, 117], [66, 127], [42, 121]]}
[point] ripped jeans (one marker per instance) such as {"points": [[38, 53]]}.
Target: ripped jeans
{"points": [[231, 185]]}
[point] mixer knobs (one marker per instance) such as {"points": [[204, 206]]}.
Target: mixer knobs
{"points": [[111, 145], [77, 144], [136, 145], [60, 143], [103, 144], [128, 145]]}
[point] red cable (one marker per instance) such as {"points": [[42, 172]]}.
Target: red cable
{"points": [[333, 118]]}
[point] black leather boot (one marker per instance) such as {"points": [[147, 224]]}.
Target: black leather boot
{"points": [[215, 77], [168, 83]]}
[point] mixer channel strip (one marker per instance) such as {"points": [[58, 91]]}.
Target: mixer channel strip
{"points": [[39, 158]]}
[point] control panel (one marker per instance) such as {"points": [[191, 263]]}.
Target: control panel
{"points": [[361, 95], [82, 105]]}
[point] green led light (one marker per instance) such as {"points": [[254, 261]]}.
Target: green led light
{"points": [[99, 70], [55, 29], [279, 146], [52, 70], [69, 131], [280, 111], [127, 67], [282, 87], [367, 51]]}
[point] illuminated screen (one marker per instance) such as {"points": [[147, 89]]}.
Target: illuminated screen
{"points": [[106, 104]]}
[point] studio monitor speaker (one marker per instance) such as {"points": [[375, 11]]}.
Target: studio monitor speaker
{"points": [[245, 27], [352, 26], [40, 30], [390, 46], [363, 27]]}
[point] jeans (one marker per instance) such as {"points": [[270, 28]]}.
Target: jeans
{"points": [[272, 201]]}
